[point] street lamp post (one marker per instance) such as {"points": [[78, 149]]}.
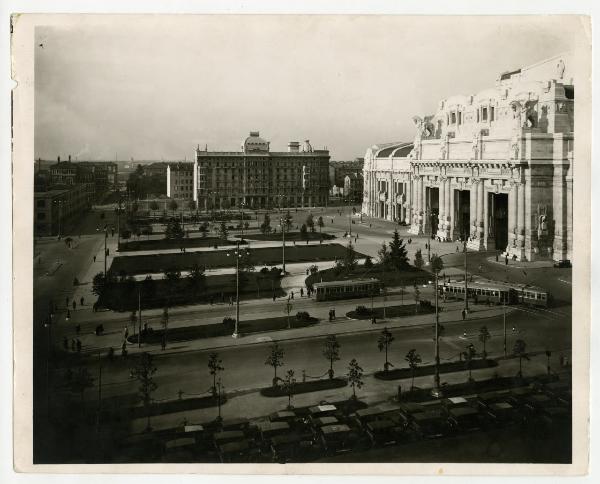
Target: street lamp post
{"points": [[283, 224], [437, 339], [237, 289], [504, 322]]}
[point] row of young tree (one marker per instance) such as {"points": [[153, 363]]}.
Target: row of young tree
{"points": [[144, 369]]}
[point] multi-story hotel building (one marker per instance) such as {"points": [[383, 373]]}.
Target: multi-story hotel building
{"points": [[256, 177], [180, 181], [494, 168]]}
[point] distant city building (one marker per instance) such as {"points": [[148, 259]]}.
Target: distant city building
{"points": [[353, 187], [257, 177], [98, 177], [338, 170], [495, 168], [180, 181], [55, 207]]}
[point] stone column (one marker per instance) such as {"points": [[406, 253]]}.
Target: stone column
{"points": [[448, 213], [486, 228], [451, 216], [512, 215], [472, 207], [521, 216], [442, 207], [480, 209]]}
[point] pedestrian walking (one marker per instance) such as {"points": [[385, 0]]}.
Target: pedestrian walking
{"points": [[81, 301], [457, 248], [292, 293], [463, 314], [307, 271], [301, 292], [74, 304], [94, 258], [333, 313], [273, 297], [506, 260]]}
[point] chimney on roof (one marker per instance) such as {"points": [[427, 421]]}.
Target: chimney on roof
{"points": [[58, 159], [293, 147], [69, 158]]}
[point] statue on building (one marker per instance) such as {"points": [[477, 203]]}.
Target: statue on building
{"points": [[514, 148], [560, 69], [476, 145]]}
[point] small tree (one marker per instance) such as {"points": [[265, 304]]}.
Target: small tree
{"points": [[520, 350], [355, 375], [383, 255], [303, 232], [437, 264], [484, 336], [174, 231], [289, 383], [398, 253], [419, 262], [350, 260], [265, 227], [275, 359], [320, 223], [144, 374], [153, 205], [413, 358], [287, 221], [331, 352], [223, 232], [196, 277], [214, 366], [469, 355], [417, 298], [310, 222], [173, 206], [383, 343]]}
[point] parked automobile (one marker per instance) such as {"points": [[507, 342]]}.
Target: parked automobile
{"points": [[464, 419], [563, 263]]}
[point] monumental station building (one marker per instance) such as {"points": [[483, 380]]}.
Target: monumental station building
{"points": [[494, 168], [256, 177]]}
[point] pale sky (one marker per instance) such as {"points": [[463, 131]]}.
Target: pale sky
{"points": [[156, 86]]}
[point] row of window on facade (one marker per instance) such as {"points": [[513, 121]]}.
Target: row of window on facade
{"points": [[483, 113]]}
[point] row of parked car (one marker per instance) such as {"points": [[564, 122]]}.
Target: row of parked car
{"points": [[305, 434]]}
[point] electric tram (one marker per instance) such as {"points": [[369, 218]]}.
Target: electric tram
{"points": [[496, 292], [327, 291]]}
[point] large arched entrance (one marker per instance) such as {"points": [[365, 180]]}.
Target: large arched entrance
{"points": [[463, 213], [498, 222]]}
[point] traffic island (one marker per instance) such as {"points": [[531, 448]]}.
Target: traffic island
{"points": [[406, 277], [188, 333], [407, 373], [290, 237], [362, 312], [179, 405], [122, 295], [304, 387], [259, 256], [169, 244]]}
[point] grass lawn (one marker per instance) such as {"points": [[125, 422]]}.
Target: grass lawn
{"points": [[122, 296], [161, 244], [304, 387], [262, 256], [188, 333], [391, 311], [390, 278], [291, 236], [454, 366]]}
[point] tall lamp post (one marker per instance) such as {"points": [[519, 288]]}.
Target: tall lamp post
{"points": [[242, 213], [283, 223], [105, 254], [237, 256], [437, 265]]}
